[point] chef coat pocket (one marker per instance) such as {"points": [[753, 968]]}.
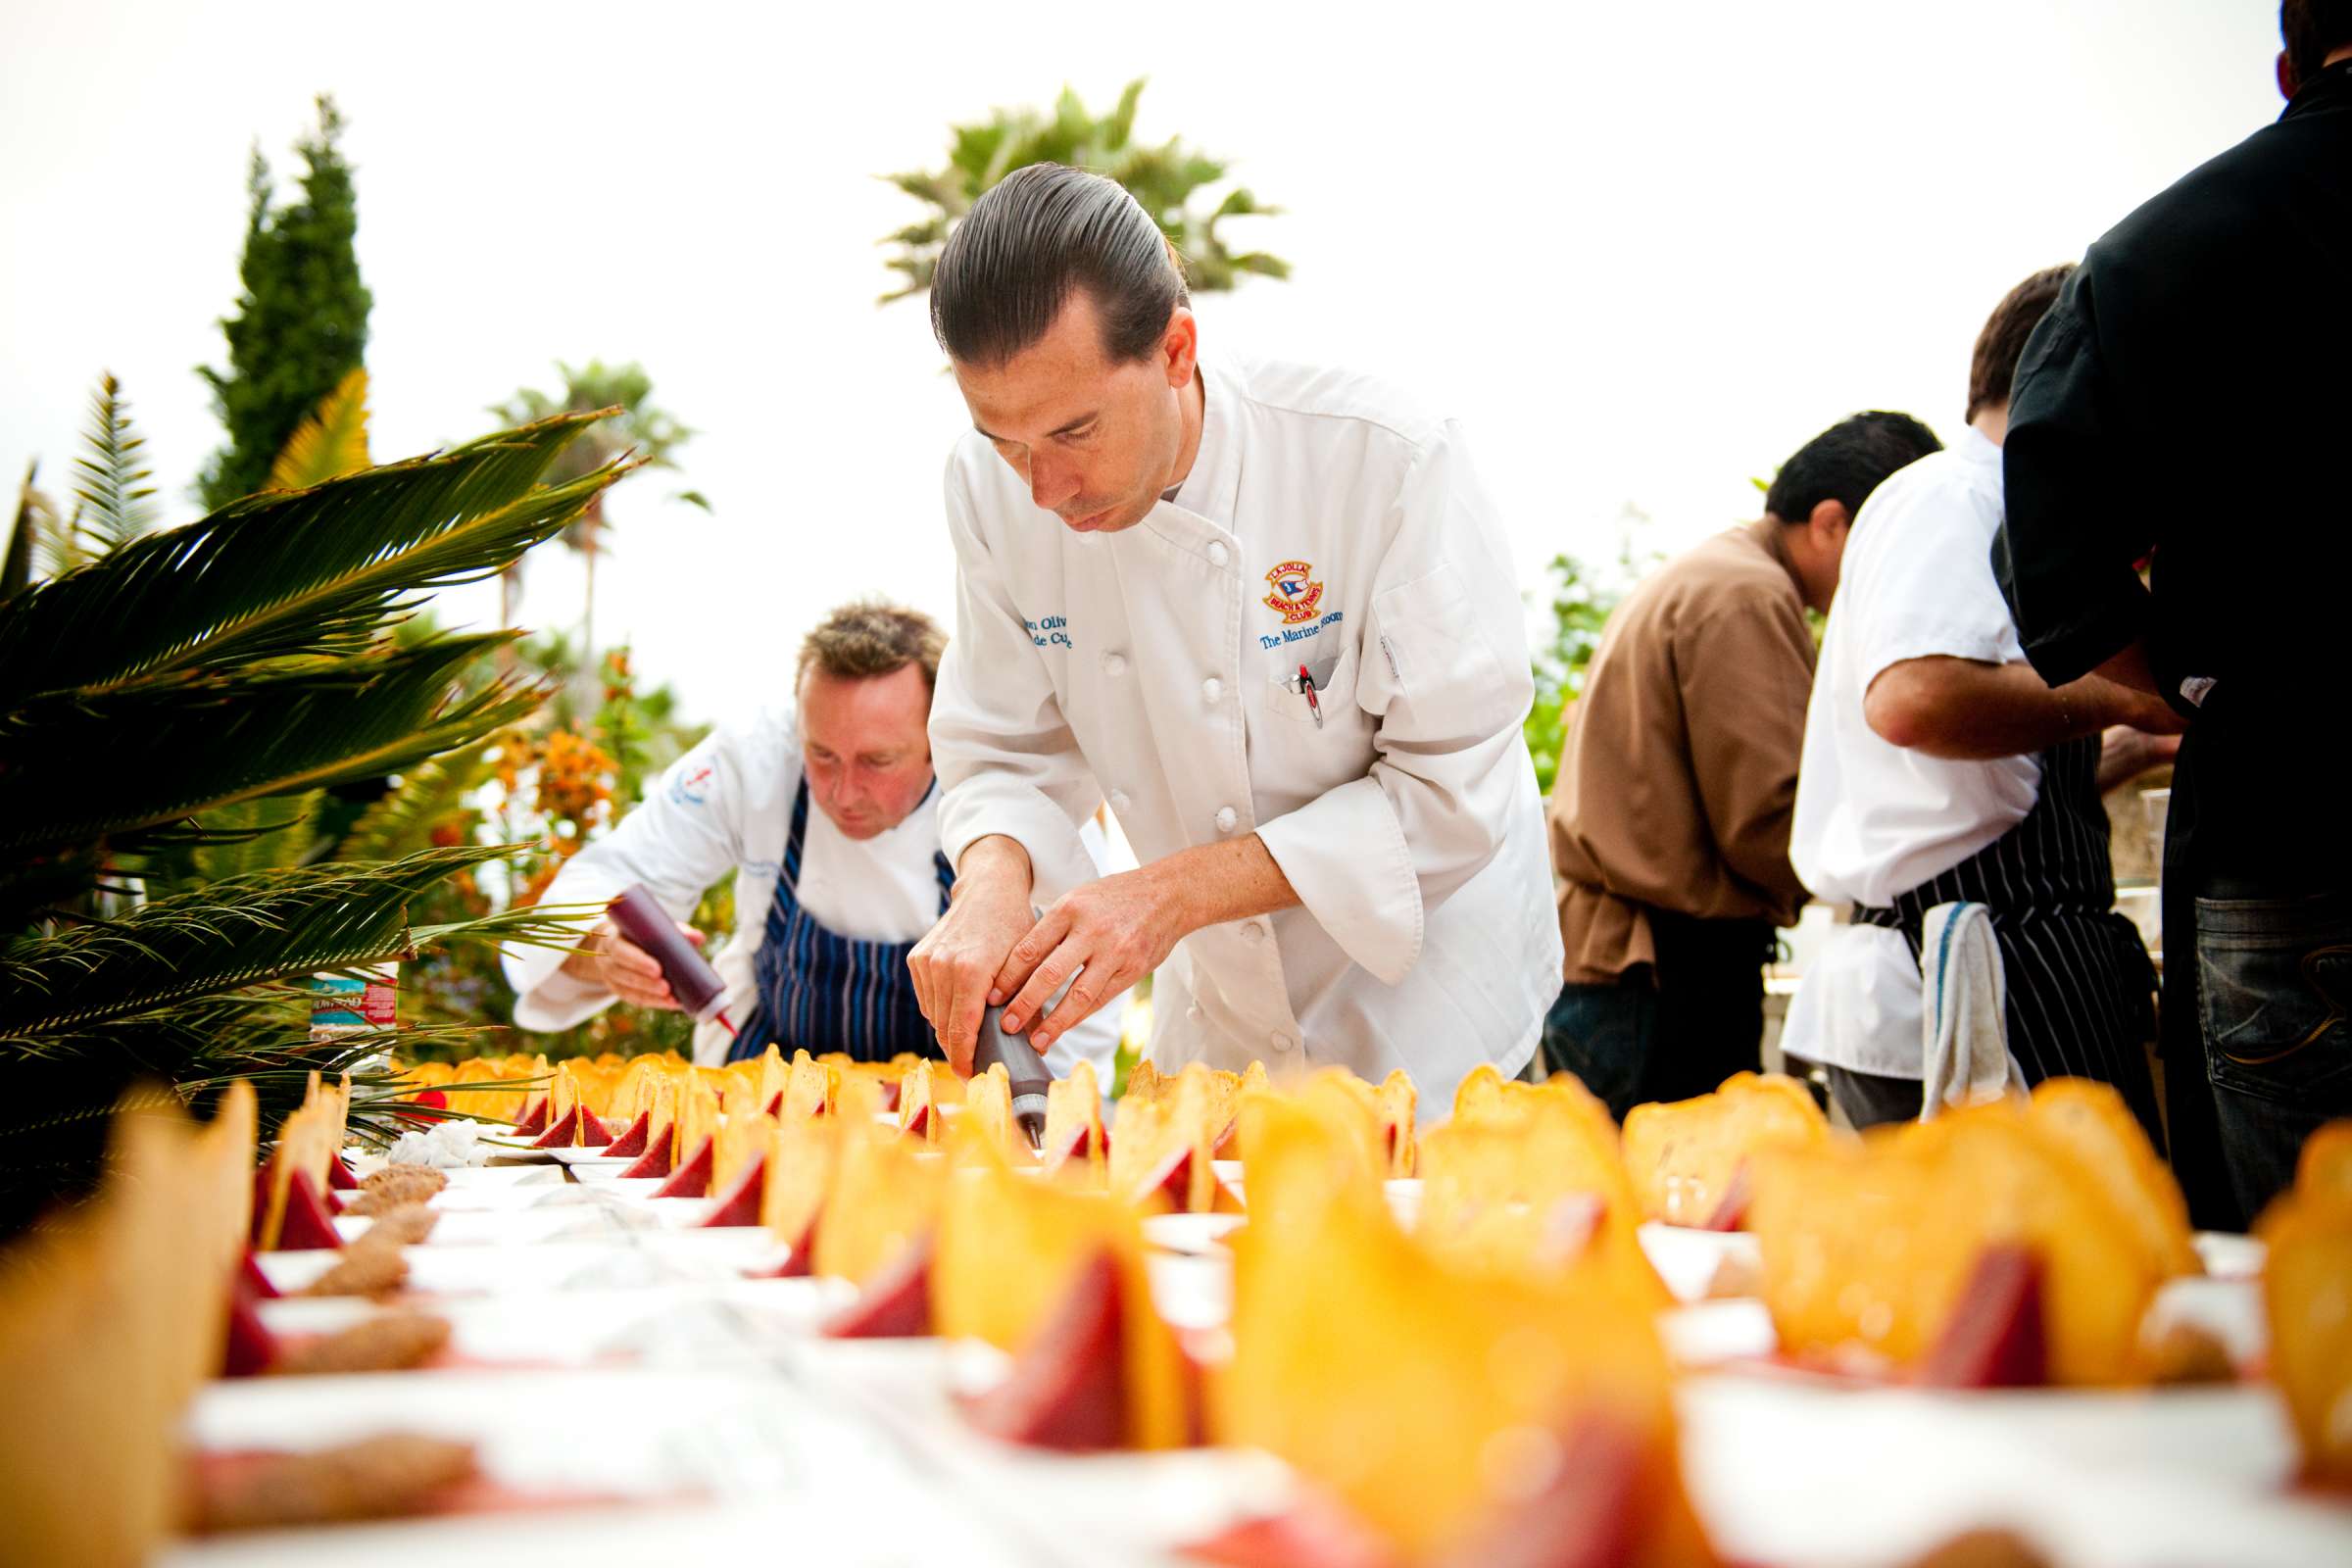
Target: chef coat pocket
{"points": [[2274, 992], [1334, 675], [1444, 669]]}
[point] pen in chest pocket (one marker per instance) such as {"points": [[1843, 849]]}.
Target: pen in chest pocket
{"points": [[1306, 684]]}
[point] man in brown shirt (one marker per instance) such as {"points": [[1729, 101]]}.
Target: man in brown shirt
{"points": [[1670, 815]]}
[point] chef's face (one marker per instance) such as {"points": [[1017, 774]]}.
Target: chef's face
{"points": [[865, 747], [1096, 439]]}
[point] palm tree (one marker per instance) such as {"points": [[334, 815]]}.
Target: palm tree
{"points": [[1164, 178], [637, 426], [171, 704]]}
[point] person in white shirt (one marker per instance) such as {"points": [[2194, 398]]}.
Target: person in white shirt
{"points": [[1269, 613], [1937, 767], [828, 902]]}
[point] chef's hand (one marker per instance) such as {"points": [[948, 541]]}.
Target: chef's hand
{"points": [[955, 963], [1109, 933], [609, 959]]}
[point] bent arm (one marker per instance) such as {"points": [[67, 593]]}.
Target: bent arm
{"points": [[1964, 710]]}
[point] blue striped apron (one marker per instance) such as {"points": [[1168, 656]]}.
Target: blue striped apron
{"points": [[826, 992]]}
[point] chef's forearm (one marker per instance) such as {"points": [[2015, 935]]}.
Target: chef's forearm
{"points": [[1211, 884], [993, 863]]}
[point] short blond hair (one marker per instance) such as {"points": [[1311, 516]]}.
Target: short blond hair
{"points": [[872, 637]]}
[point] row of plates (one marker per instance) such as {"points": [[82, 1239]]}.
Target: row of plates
{"points": [[614, 1350]]}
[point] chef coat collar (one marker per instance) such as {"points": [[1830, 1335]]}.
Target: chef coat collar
{"points": [[1210, 488], [1978, 446]]}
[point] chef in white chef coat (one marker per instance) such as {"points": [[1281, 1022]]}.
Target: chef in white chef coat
{"points": [[826, 813], [1268, 614]]}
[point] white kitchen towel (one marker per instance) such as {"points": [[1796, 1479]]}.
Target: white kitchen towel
{"points": [[1965, 1043]]}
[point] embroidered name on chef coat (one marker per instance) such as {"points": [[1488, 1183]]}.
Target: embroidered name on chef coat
{"points": [[1050, 632]]}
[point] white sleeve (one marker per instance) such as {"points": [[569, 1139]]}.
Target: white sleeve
{"points": [[1006, 761], [682, 838], [1444, 668], [1928, 577]]}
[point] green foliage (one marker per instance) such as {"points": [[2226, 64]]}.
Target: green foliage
{"points": [[632, 424], [24, 537], [225, 935], [301, 321], [171, 712], [114, 498], [280, 577], [405, 819], [330, 441], [1165, 179], [551, 791], [112, 502], [1582, 599]]}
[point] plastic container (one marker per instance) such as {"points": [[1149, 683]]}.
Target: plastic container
{"points": [[697, 986]]}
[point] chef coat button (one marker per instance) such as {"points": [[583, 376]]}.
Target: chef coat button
{"points": [[1118, 800], [1114, 664], [1280, 1041], [1254, 931], [1216, 553], [1213, 688], [1192, 1012], [1227, 817]]}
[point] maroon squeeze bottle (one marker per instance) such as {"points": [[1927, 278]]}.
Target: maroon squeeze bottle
{"points": [[692, 980]]}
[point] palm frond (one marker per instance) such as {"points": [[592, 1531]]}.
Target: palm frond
{"points": [[15, 568], [1121, 123], [153, 754], [273, 833], [240, 932], [1164, 178], [427, 794], [330, 441], [115, 508], [276, 576], [49, 532]]}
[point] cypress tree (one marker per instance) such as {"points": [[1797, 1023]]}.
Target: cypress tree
{"points": [[301, 323]]}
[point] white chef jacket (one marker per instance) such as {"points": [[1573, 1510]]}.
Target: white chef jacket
{"points": [[1324, 521], [1873, 819], [726, 805]]}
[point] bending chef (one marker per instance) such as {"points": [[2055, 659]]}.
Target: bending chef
{"points": [[1267, 612], [829, 900]]}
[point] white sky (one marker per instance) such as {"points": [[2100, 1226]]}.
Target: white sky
{"points": [[1644, 249]]}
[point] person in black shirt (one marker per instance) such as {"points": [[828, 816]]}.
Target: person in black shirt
{"points": [[2187, 407]]}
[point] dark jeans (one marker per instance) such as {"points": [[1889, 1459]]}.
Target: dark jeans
{"points": [[2274, 990], [1673, 1036], [1872, 1099]]}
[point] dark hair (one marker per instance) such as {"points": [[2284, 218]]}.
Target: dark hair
{"points": [[872, 637], [2312, 29], [1847, 462], [1010, 264], [1993, 365]]}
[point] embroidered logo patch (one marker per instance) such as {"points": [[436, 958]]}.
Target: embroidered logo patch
{"points": [[1295, 593], [690, 789]]}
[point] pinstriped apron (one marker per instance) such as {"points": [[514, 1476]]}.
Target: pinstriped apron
{"points": [[822, 991], [2076, 975]]}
